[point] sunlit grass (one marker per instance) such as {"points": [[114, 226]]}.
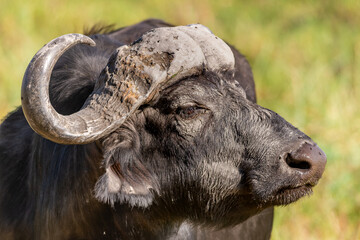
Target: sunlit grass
{"points": [[306, 61]]}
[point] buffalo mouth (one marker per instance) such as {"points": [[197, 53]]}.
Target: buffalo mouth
{"points": [[302, 169], [289, 194]]}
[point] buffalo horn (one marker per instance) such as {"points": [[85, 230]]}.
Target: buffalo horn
{"points": [[133, 75]]}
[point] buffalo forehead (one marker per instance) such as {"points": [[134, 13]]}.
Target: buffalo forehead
{"points": [[218, 55], [193, 48]]}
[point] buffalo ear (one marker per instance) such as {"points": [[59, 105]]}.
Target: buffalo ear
{"points": [[126, 180]]}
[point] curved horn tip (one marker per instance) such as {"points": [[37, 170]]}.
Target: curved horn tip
{"points": [[35, 87], [71, 39]]}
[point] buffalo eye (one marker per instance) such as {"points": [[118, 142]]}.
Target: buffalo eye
{"points": [[191, 112]]}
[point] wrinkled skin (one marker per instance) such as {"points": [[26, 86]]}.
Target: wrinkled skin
{"points": [[222, 185], [199, 157]]}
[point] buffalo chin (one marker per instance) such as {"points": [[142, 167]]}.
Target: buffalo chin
{"points": [[288, 195]]}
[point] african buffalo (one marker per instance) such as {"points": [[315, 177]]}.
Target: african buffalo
{"points": [[147, 134]]}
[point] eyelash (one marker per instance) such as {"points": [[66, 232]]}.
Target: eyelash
{"points": [[191, 112]]}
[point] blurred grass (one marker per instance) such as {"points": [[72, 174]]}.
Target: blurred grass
{"points": [[306, 61]]}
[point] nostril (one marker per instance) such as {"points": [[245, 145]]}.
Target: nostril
{"points": [[297, 163], [306, 158]]}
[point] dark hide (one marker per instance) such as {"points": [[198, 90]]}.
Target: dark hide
{"points": [[178, 160]]}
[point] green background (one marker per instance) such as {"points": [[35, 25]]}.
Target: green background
{"points": [[306, 61]]}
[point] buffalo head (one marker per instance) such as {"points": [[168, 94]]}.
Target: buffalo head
{"points": [[178, 135]]}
